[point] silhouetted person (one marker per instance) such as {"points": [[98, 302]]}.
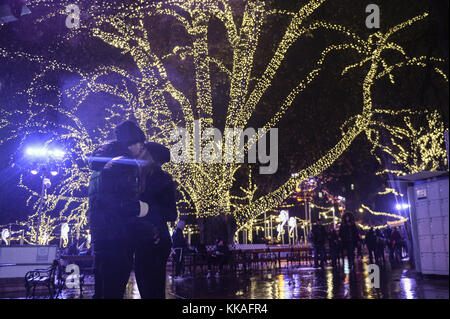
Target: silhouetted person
{"points": [[319, 237], [388, 236], [348, 234], [371, 243], [180, 247], [333, 242], [359, 244], [380, 245], [396, 243]]}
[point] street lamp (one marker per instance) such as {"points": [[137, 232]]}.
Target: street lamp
{"points": [[46, 161], [54, 170], [401, 206]]}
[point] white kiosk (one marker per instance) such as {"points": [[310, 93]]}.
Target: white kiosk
{"points": [[428, 195], [16, 261]]}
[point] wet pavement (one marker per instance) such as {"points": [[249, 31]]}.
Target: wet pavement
{"points": [[310, 283], [294, 283]]}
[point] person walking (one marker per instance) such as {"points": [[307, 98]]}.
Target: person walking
{"points": [[388, 237], [396, 243], [371, 243], [348, 234], [341, 254], [333, 242], [359, 244], [319, 237], [180, 247], [380, 245], [113, 203]]}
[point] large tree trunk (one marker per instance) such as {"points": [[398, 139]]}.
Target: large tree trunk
{"points": [[212, 228]]}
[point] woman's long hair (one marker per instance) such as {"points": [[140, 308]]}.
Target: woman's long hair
{"points": [[155, 155], [146, 169]]}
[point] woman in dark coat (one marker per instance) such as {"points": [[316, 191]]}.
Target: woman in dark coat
{"points": [[153, 242], [114, 202]]}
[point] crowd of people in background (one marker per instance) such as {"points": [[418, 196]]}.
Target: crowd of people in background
{"points": [[219, 257], [128, 182], [349, 241], [330, 244]]}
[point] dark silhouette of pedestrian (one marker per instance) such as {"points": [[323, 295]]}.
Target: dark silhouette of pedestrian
{"points": [[180, 247], [333, 242], [319, 238], [359, 244], [388, 237], [371, 243], [396, 243], [380, 246], [348, 234]]}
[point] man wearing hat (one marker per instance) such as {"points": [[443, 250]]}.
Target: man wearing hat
{"points": [[114, 189]]}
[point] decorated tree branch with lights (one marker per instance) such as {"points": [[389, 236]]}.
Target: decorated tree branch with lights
{"points": [[147, 91]]}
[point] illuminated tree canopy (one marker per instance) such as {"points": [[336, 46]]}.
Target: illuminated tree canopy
{"points": [[148, 93]]}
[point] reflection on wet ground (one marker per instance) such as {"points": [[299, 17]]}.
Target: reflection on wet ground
{"points": [[297, 283], [310, 283]]}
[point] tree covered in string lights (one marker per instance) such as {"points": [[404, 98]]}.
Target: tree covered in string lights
{"points": [[181, 61]]}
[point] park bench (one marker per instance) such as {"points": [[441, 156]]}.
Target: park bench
{"points": [[292, 255], [240, 260], [246, 258], [47, 277]]}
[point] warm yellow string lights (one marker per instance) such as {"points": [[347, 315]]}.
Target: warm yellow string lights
{"points": [[389, 190], [205, 188], [411, 148], [398, 218]]}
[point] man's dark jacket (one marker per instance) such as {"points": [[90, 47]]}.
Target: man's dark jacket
{"points": [[113, 193]]}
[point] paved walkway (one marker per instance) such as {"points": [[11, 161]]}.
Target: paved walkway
{"points": [[310, 283], [297, 283]]}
